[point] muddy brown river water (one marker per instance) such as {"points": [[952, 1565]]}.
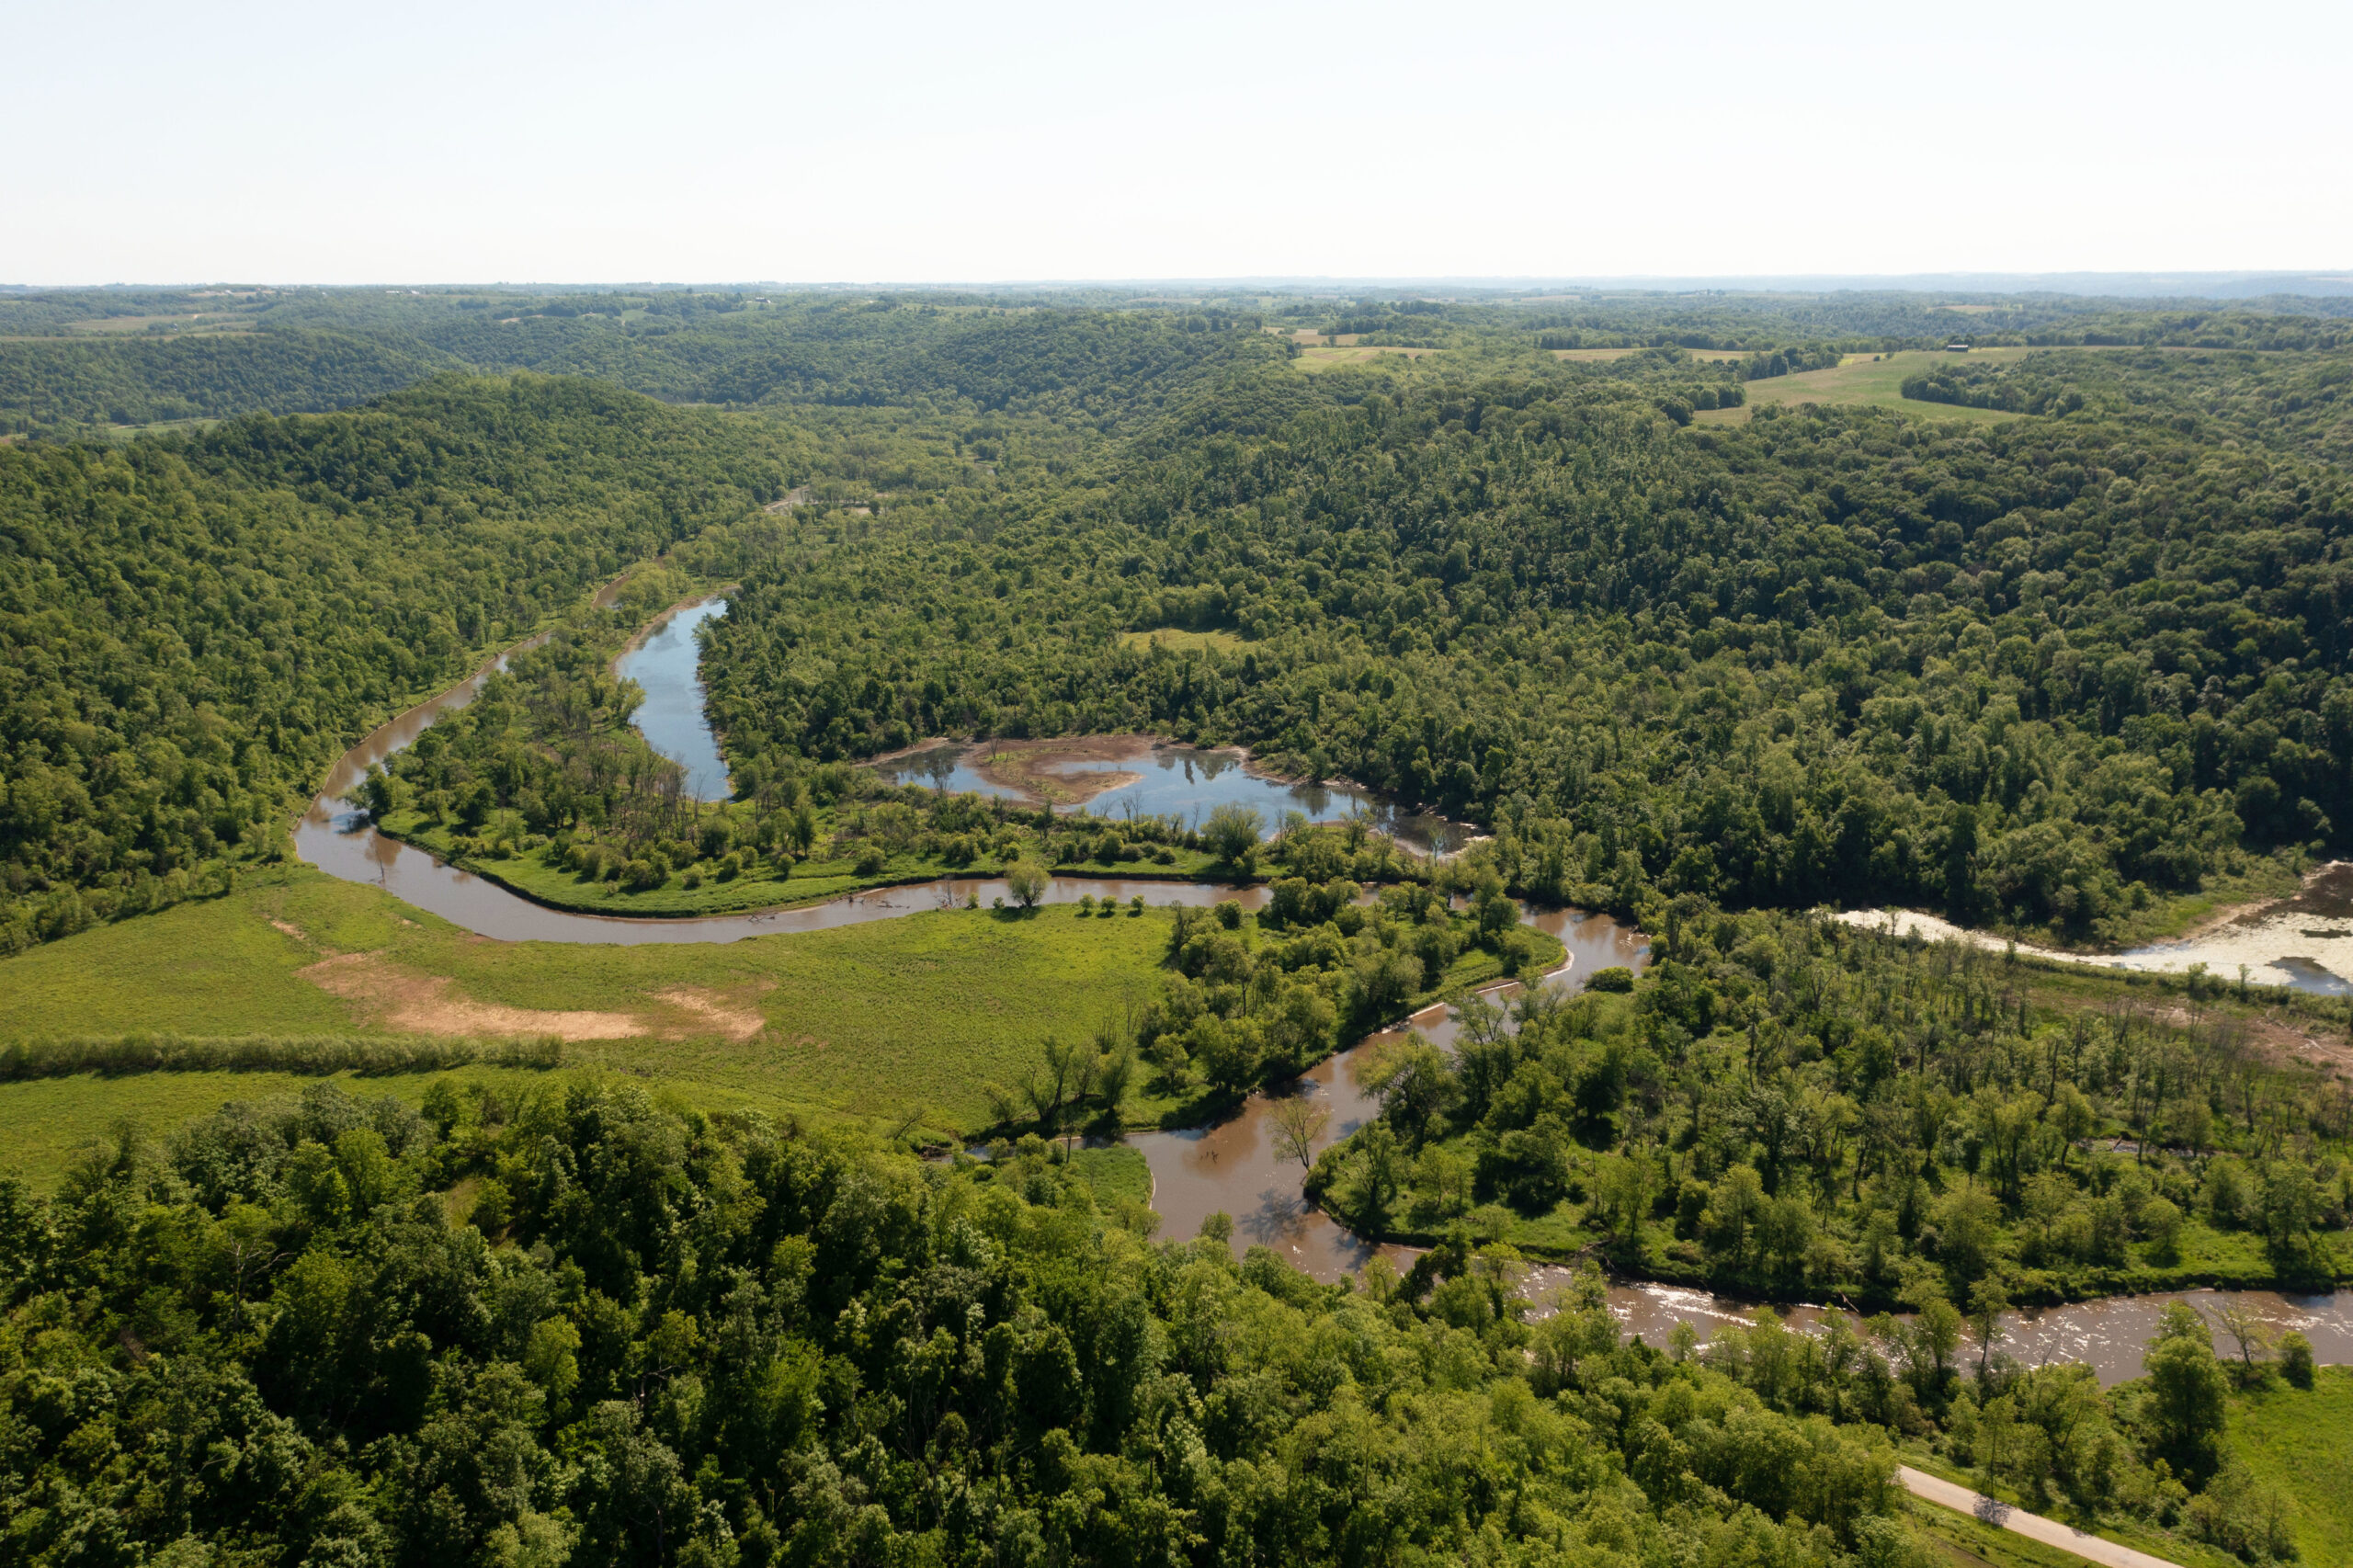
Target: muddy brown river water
{"points": [[1232, 1166]]}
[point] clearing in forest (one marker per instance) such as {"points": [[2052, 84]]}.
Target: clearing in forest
{"points": [[1874, 380], [1312, 358]]}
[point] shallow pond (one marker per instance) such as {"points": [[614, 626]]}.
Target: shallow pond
{"points": [[1186, 782], [666, 660]]}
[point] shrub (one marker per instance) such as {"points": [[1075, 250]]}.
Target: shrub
{"points": [[871, 860], [1618, 977], [1027, 881], [2296, 1360]]}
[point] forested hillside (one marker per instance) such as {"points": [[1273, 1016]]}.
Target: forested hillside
{"points": [[2044, 674], [70, 383], [2037, 672], [1109, 358], [2300, 403], [1104, 369], [191, 628], [643, 1338]]}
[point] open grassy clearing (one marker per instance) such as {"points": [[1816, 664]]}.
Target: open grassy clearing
{"points": [[1116, 1173], [2300, 1441], [903, 1020], [1869, 380], [1960, 1541], [1312, 358], [1599, 356], [1178, 641]]}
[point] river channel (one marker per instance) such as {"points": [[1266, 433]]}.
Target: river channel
{"points": [[1229, 1166], [666, 660]]}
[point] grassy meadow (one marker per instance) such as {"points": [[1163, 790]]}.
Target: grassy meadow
{"points": [[1331, 358], [894, 1023], [1866, 380], [2300, 1441], [1178, 641]]}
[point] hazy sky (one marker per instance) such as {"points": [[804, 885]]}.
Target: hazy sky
{"points": [[433, 142]]}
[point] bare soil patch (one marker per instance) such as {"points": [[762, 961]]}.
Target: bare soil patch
{"points": [[1034, 767], [429, 1003], [733, 1016]]}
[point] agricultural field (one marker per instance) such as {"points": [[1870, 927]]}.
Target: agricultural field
{"points": [[1334, 357], [1870, 380]]}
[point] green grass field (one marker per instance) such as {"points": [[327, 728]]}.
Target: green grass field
{"points": [[1314, 360], [1875, 382], [2300, 1441], [1181, 641], [1116, 1173], [901, 1020]]}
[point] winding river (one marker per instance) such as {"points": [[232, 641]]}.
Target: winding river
{"points": [[1231, 1165]]}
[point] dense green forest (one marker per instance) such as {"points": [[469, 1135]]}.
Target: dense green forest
{"points": [[628, 1336], [2299, 402], [1786, 1104], [70, 362], [142, 380], [2038, 674], [1100, 370], [191, 628], [2045, 675]]}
